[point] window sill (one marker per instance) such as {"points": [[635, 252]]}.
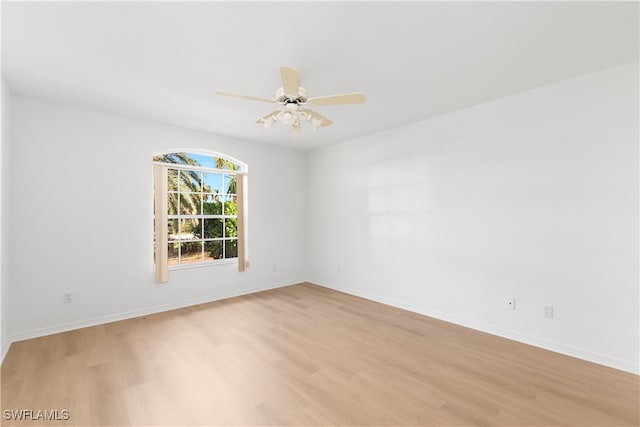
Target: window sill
{"points": [[203, 264]]}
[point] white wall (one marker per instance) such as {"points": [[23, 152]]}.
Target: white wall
{"points": [[534, 196], [4, 217], [81, 218]]}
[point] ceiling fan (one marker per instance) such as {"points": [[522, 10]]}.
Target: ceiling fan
{"points": [[293, 101]]}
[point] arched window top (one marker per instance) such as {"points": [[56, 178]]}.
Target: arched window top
{"points": [[201, 158]]}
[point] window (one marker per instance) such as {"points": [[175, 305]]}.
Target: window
{"points": [[201, 209]]}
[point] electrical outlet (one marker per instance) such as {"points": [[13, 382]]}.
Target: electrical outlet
{"points": [[548, 311], [275, 267], [510, 303], [339, 270], [247, 264], [67, 298]]}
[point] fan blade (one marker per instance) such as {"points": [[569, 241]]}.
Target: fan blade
{"points": [[346, 98], [325, 121], [290, 81], [253, 98], [262, 119]]}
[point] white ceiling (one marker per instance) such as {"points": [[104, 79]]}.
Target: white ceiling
{"points": [[164, 60]]}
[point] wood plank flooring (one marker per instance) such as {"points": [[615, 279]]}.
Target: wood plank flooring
{"points": [[306, 355]]}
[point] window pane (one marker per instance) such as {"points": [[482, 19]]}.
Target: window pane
{"points": [[190, 252], [230, 205], [212, 183], [213, 228], [212, 204], [197, 176], [213, 250], [231, 248], [222, 163], [173, 253], [172, 204], [230, 227], [173, 229], [230, 184], [172, 179], [190, 181], [190, 229], [189, 204]]}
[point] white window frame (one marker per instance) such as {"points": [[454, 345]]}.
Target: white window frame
{"points": [[161, 231]]}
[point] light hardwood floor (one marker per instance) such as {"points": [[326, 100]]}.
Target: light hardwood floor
{"points": [[306, 355]]}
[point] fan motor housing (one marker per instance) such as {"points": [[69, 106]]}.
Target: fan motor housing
{"points": [[283, 98]]}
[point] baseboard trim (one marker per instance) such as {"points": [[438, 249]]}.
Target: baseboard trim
{"points": [[100, 320], [5, 350], [589, 356]]}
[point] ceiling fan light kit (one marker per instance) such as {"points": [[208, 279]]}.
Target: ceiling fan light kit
{"points": [[293, 100], [291, 114]]}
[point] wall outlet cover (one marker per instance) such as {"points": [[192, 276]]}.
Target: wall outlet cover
{"points": [[510, 303]]}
